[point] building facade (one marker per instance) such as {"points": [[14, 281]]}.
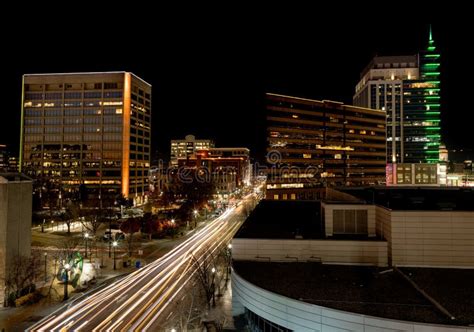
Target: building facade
{"points": [[316, 143], [228, 168], [416, 174], [408, 89], [187, 147], [90, 129], [4, 158], [15, 222]]}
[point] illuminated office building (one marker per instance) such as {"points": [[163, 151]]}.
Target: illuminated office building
{"points": [[187, 147], [87, 128], [408, 89], [316, 143]]}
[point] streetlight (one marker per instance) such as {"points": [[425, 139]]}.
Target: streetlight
{"points": [[45, 267], [114, 244], [172, 221], [213, 287], [66, 269], [86, 238], [195, 218], [228, 256]]}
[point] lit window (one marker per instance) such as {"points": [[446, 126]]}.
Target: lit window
{"points": [[295, 116], [307, 155], [363, 132]]}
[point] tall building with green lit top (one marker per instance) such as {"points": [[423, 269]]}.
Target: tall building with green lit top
{"points": [[408, 89]]}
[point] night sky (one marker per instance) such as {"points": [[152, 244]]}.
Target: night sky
{"points": [[210, 81]]}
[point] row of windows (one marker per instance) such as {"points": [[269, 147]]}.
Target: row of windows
{"points": [[74, 138], [74, 120], [31, 112]]}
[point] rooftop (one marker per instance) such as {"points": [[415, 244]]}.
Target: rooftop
{"points": [[366, 291], [417, 198], [13, 177], [283, 220]]}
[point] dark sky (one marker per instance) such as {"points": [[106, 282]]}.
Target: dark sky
{"points": [[210, 81]]}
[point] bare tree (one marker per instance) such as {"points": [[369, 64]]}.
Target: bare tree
{"points": [[130, 227], [92, 223], [187, 314], [206, 274], [73, 212], [20, 276]]}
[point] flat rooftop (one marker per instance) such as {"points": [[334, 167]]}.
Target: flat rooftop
{"points": [[283, 220], [417, 198], [366, 291]]}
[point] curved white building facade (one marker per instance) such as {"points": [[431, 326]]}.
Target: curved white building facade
{"points": [[296, 315]]}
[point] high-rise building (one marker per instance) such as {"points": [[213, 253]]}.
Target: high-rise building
{"points": [[187, 147], [316, 143], [90, 129], [408, 89]]}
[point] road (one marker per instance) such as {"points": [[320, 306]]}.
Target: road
{"points": [[137, 301]]}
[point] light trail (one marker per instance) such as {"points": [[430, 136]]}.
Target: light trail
{"points": [[149, 290]]}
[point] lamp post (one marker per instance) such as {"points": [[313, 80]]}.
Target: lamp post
{"points": [[45, 267], [66, 270], [213, 287], [86, 238], [115, 244], [42, 226], [195, 212], [229, 256]]}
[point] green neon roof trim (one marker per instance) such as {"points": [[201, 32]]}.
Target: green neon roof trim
{"points": [[432, 97], [433, 105], [431, 64], [433, 135], [432, 73], [433, 113], [431, 48], [432, 55], [433, 82]]}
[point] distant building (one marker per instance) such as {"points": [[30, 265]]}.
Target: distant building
{"points": [[416, 174], [408, 89], [15, 221], [229, 168], [87, 128], [187, 147], [317, 143], [461, 174], [4, 158]]}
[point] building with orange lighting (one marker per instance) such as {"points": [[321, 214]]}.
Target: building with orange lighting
{"points": [[90, 129], [228, 168], [312, 144]]}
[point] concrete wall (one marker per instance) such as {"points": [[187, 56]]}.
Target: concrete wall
{"points": [[432, 238], [328, 216], [301, 316], [326, 251], [15, 223]]}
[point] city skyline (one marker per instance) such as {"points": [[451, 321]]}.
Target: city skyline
{"points": [[213, 88]]}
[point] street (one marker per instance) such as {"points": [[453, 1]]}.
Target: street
{"points": [[137, 301]]}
